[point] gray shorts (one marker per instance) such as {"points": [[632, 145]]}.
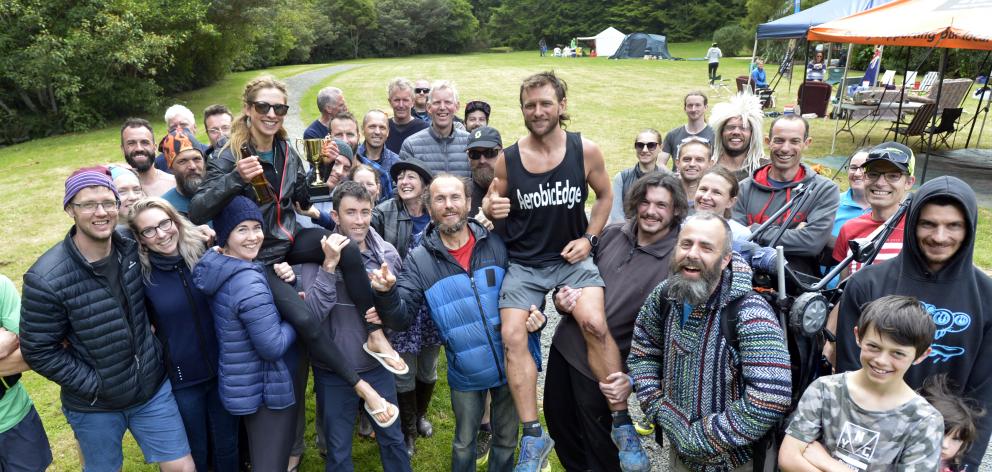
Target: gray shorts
{"points": [[524, 286]]}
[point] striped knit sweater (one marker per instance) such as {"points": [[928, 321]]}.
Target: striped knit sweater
{"points": [[688, 382]]}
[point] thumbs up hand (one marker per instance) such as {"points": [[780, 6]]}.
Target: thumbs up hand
{"points": [[381, 279], [494, 205]]}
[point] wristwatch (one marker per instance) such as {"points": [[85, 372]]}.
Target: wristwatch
{"points": [[592, 238]]}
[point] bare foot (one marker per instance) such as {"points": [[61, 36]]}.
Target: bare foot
{"points": [[375, 402], [379, 344]]}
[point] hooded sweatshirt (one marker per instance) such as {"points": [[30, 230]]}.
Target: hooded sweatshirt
{"points": [[758, 200], [953, 296]]}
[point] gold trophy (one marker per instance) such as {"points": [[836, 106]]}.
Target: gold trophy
{"points": [[318, 188]]}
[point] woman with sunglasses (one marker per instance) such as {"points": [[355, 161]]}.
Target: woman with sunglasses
{"points": [[170, 248], [259, 163], [647, 147]]}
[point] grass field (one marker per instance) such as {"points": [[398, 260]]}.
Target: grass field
{"points": [[609, 101]]}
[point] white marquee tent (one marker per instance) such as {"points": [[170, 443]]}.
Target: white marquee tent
{"points": [[606, 42]]}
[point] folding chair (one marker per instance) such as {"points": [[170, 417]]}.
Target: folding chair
{"points": [[834, 75], [947, 125], [928, 81], [911, 78], [888, 77], [917, 126]]}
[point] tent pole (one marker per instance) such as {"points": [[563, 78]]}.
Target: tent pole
{"points": [[754, 54], [981, 98], [933, 119], [805, 61], [840, 100], [902, 96]]}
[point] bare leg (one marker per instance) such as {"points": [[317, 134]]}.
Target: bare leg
{"points": [[183, 464], [521, 372], [604, 355]]}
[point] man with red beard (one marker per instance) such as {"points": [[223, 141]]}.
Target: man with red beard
{"points": [[183, 156], [712, 397], [633, 258], [138, 146], [540, 188]]}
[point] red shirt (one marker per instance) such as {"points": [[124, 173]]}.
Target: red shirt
{"points": [[463, 254], [861, 227]]}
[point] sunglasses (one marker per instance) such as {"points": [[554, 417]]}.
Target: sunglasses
{"points": [[640, 146], [263, 108], [890, 154], [421, 90], [476, 154]]}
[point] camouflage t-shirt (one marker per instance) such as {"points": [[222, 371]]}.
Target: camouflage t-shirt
{"points": [[906, 438]]}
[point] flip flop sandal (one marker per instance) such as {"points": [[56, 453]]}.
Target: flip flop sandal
{"points": [[383, 424], [382, 358]]}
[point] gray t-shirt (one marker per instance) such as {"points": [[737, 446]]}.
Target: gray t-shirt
{"points": [[907, 437], [674, 138]]}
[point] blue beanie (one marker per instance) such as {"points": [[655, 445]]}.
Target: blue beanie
{"points": [[238, 210]]}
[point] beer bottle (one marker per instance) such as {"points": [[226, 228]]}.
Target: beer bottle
{"points": [[262, 193]]}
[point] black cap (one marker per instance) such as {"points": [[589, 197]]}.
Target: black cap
{"points": [[413, 164], [894, 153], [484, 137]]}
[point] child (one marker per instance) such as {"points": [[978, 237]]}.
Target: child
{"points": [[960, 416], [870, 419]]}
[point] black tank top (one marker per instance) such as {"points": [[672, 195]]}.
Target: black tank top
{"points": [[547, 210]]}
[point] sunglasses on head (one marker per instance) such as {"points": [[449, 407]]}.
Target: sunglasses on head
{"points": [[421, 90], [476, 154], [264, 107], [640, 146], [891, 154]]}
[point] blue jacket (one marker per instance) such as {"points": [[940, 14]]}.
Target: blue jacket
{"points": [[252, 336], [464, 306], [386, 161], [183, 321]]}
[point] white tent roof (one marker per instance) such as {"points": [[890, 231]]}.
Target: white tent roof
{"points": [[607, 41]]}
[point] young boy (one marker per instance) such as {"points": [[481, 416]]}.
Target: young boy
{"points": [[870, 419]]}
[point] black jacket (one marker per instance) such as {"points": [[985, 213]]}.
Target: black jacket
{"points": [[956, 297], [393, 223], [111, 360], [285, 176]]}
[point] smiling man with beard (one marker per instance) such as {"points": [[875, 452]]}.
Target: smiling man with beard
{"points": [[737, 123], [773, 185], [484, 148], [138, 146], [183, 156], [712, 398], [633, 258], [457, 271]]}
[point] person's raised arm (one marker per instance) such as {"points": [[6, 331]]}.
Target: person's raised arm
{"points": [[225, 179]]}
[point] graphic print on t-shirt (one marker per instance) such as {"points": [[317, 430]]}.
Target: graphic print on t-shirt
{"points": [[856, 446], [550, 194], [947, 321]]}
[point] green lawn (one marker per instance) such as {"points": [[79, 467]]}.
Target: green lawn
{"points": [[609, 101]]}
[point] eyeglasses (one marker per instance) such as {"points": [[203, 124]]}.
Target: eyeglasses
{"points": [[476, 154], [640, 146], [419, 91], [854, 168], [892, 177], [109, 206], [264, 107], [224, 129], [151, 231]]}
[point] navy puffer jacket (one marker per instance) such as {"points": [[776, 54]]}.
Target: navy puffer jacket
{"points": [[253, 337], [75, 333]]}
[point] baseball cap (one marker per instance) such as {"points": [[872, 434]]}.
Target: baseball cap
{"points": [[895, 153], [484, 137]]}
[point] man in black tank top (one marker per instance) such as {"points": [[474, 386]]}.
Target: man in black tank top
{"points": [[540, 189]]}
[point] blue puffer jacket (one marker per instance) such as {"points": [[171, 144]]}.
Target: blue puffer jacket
{"points": [[463, 305], [183, 321], [253, 338]]}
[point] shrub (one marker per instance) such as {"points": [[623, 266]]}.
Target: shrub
{"points": [[732, 39]]}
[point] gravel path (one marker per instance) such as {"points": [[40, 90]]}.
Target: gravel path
{"points": [[298, 86]]}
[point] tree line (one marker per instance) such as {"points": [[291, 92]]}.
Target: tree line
{"points": [[71, 65]]}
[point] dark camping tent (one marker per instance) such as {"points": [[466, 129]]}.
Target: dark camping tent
{"points": [[638, 45]]}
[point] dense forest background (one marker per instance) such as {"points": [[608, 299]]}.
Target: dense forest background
{"points": [[71, 65]]}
